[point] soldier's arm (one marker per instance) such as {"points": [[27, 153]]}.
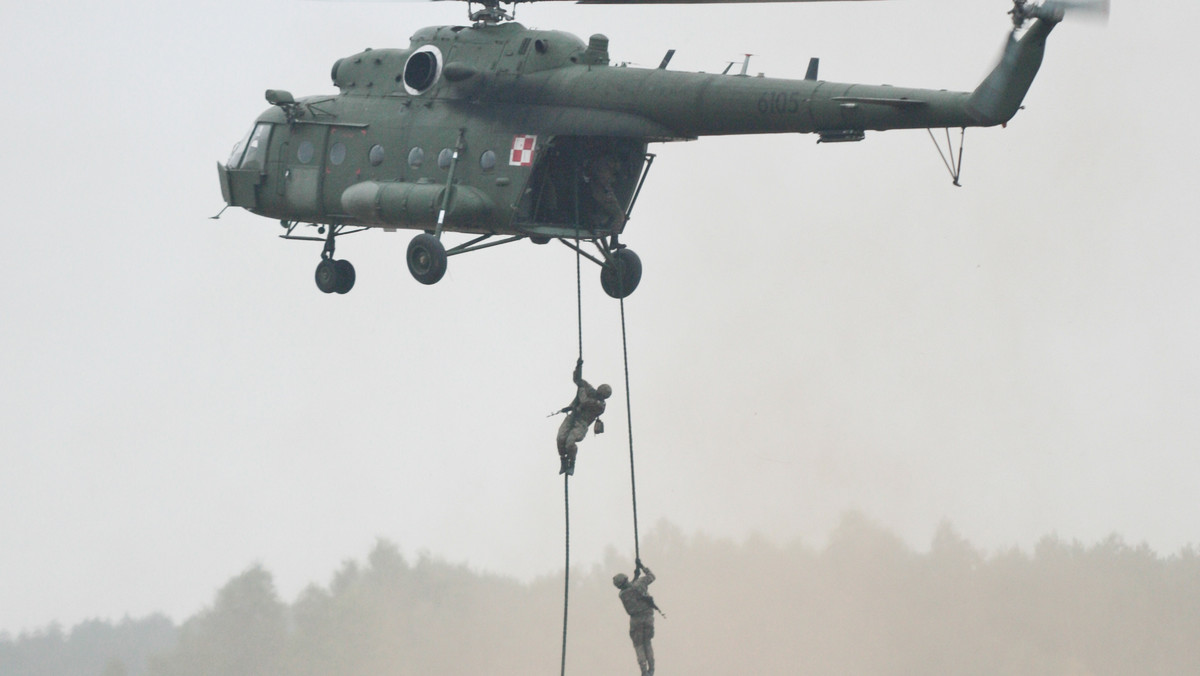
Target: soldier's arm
{"points": [[645, 580], [578, 375]]}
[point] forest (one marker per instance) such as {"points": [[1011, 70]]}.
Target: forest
{"points": [[862, 604]]}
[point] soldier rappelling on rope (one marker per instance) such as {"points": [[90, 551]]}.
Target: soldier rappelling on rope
{"points": [[640, 606], [586, 409]]}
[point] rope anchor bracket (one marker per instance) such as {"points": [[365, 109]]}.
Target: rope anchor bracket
{"points": [[952, 160]]}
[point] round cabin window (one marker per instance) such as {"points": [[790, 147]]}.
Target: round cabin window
{"points": [[487, 161], [305, 152], [337, 154]]}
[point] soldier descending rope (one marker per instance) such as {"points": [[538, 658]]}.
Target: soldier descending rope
{"points": [[640, 606], [586, 408]]}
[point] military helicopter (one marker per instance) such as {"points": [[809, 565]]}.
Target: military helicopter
{"points": [[507, 133]]}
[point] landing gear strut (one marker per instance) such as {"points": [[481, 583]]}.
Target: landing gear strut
{"points": [[333, 276]]}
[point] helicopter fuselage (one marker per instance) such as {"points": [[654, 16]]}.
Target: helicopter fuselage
{"points": [[496, 129]]}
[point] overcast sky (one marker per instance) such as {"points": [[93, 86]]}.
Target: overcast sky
{"points": [[818, 328]]}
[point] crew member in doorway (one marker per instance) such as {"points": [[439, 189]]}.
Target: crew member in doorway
{"points": [[601, 175], [640, 606], [587, 408]]}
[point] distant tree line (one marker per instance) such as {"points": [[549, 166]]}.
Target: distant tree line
{"points": [[92, 648], [864, 604]]}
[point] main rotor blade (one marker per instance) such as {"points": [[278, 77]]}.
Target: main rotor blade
{"points": [[689, 2], [693, 2], [616, 2]]}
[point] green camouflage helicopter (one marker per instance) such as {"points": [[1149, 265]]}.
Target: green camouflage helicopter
{"points": [[499, 131]]}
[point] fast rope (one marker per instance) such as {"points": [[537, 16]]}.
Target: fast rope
{"points": [[567, 477], [566, 569], [637, 554]]}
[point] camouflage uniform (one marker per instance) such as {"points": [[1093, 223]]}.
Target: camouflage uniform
{"points": [[640, 606], [601, 175], [588, 405]]}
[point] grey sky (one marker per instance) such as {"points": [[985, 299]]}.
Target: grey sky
{"points": [[818, 328]]}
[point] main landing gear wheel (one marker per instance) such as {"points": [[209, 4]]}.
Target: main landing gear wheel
{"points": [[426, 258], [621, 274], [335, 276]]}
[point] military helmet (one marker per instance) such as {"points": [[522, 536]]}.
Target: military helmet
{"points": [[620, 580], [604, 391]]}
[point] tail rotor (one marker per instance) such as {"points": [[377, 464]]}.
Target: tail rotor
{"points": [[1055, 10]]}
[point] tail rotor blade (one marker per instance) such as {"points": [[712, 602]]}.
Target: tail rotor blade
{"points": [[1057, 9]]}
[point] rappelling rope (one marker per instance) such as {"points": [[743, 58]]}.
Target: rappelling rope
{"points": [[637, 555], [567, 477], [567, 569]]}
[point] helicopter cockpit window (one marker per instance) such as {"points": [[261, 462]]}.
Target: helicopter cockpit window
{"points": [[252, 151], [235, 157]]}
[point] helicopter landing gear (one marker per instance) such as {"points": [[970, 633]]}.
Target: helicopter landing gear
{"points": [[426, 258], [335, 276], [621, 273]]}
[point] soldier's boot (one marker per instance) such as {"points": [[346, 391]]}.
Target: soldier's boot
{"points": [[570, 464], [562, 464], [646, 670]]}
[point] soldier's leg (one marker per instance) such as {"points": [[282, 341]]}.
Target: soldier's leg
{"points": [[649, 651], [577, 432], [640, 649], [638, 635], [565, 445]]}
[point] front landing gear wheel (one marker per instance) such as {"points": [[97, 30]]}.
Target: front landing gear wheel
{"points": [[345, 276], [621, 274], [426, 258], [335, 276], [327, 276]]}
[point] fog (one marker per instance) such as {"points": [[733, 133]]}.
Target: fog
{"points": [[863, 604]]}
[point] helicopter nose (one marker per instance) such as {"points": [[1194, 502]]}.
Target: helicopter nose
{"points": [[239, 186]]}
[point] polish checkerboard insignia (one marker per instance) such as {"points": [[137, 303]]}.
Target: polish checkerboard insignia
{"points": [[522, 150]]}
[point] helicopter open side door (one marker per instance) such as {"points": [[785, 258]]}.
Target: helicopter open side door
{"points": [[569, 183]]}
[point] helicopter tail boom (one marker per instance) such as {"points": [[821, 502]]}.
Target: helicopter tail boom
{"points": [[690, 105], [999, 96]]}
